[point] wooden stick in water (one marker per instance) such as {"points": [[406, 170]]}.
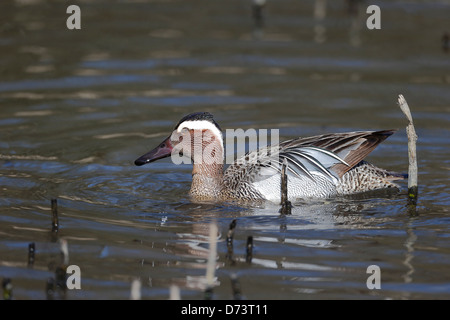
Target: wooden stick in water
{"points": [[31, 251], [135, 291], [231, 233], [174, 293], [230, 240], [55, 222], [285, 203], [249, 255], [61, 282], [412, 138]]}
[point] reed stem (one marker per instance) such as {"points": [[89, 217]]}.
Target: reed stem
{"points": [[286, 205], [55, 221], [249, 255], [413, 189]]}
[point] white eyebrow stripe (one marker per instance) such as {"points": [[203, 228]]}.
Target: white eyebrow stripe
{"points": [[201, 125]]}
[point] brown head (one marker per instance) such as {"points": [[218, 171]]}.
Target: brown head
{"points": [[196, 136], [199, 138]]}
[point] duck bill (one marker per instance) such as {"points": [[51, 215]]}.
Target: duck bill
{"points": [[164, 150]]}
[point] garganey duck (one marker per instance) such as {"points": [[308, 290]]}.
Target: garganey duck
{"points": [[320, 166]]}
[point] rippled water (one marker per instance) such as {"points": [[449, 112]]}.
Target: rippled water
{"points": [[79, 106]]}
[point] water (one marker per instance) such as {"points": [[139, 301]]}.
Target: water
{"points": [[79, 106]]}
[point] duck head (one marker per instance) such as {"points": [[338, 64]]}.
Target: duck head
{"points": [[196, 136]]}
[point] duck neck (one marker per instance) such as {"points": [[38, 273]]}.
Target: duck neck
{"points": [[207, 173]]}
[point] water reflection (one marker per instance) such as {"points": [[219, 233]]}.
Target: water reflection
{"points": [[409, 255], [357, 21], [268, 228], [258, 17], [320, 13], [357, 18], [78, 106], [445, 42]]}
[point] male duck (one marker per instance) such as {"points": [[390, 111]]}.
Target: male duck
{"points": [[318, 167]]}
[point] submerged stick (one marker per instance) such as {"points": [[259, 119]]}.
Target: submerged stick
{"points": [[285, 203], [236, 287], [61, 282], [412, 138], [50, 289]]}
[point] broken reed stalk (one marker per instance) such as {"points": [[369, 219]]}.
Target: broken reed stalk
{"points": [[211, 264], [231, 233], [413, 189], [285, 203], [249, 255], [31, 251], [174, 292], [55, 222], [7, 289], [60, 282], [135, 292], [56, 288], [230, 240], [64, 247]]}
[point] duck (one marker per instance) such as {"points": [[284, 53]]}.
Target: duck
{"points": [[318, 167]]}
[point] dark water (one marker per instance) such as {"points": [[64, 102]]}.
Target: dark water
{"points": [[79, 106]]}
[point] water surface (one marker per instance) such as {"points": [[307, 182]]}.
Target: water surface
{"points": [[79, 106]]}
